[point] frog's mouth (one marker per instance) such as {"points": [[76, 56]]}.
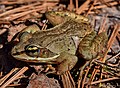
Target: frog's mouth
{"points": [[41, 56]]}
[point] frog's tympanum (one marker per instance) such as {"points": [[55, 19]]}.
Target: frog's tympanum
{"points": [[58, 45]]}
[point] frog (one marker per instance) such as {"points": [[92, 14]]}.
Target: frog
{"points": [[59, 44], [92, 44]]}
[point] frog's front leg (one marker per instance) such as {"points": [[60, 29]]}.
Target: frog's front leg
{"points": [[66, 62]]}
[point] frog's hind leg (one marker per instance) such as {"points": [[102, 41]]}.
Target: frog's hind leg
{"points": [[26, 33], [66, 62], [92, 47]]}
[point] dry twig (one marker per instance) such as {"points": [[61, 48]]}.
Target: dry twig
{"points": [[14, 77]]}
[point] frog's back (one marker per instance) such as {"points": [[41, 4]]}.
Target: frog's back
{"points": [[69, 28], [59, 38]]}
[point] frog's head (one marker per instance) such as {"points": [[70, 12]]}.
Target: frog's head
{"points": [[57, 17], [29, 51], [34, 53]]}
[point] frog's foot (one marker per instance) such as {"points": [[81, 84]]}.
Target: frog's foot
{"points": [[50, 67], [113, 70], [66, 62]]}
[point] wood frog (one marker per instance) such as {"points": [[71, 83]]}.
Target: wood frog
{"points": [[58, 45]]}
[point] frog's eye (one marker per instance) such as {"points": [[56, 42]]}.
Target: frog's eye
{"points": [[32, 50], [35, 51]]}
